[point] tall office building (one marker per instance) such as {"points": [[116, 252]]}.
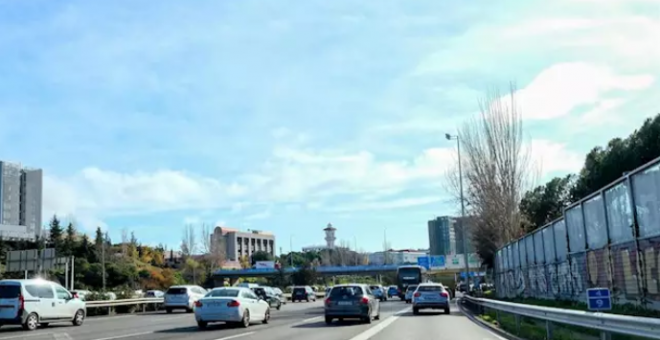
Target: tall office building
{"points": [[442, 236], [20, 201], [465, 225]]}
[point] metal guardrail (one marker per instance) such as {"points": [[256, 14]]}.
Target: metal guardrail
{"points": [[145, 301], [604, 322], [123, 302]]}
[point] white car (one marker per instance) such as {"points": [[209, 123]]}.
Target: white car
{"points": [[35, 302], [231, 304], [183, 297]]}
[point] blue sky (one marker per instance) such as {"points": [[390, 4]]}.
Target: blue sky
{"points": [[287, 115]]}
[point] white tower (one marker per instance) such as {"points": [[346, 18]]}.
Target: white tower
{"points": [[330, 236]]}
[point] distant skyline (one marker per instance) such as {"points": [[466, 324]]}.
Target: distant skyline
{"points": [[288, 115]]}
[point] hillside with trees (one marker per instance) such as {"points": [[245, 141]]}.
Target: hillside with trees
{"points": [[602, 166], [104, 265]]}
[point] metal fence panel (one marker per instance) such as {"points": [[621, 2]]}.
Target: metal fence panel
{"points": [[611, 239]]}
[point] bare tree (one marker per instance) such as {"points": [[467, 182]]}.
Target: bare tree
{"points": [[495, 164], [205, 231], [189, 241], [213, 246]]}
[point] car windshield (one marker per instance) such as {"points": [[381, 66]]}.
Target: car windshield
{"points": [[345, 291], [223, 293]]}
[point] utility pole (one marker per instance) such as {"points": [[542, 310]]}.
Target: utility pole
{"points": [[463, 229]]}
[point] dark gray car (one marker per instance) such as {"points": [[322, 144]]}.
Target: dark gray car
{"points": [[351, 301]]}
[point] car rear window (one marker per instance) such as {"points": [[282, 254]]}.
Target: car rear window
{"points": [[9, 292], [346, 291], [411, 288], [223, 293], [177, 291], [299, 290], [430, 289]]}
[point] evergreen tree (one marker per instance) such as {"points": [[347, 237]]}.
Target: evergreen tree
{"points": [[56, 234], [70, 240], [98, 239]]}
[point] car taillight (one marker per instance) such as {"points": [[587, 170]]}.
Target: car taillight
{"points": [[21, 303], [328, 302], [444, 294], [75, 295], [418, 294], [233, 303], [198, 304], [365, 300]]}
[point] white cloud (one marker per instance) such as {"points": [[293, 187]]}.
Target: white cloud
{"points": [[291, 176], [561, 88], [554, 157], [393, 204]]}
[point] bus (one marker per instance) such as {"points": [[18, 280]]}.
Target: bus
{"points": [[409, 275]]}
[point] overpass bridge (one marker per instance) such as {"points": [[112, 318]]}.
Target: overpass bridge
{"points": [[233, 274]]}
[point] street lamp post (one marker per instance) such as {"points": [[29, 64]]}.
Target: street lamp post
{"points": [[460, 184]]}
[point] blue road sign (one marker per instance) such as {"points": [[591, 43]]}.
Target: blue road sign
{"points": [[437, 261], [599, 299], [423, 261]]}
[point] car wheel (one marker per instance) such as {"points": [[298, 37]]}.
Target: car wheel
{"points": [[246, 319], [267, 316], [447, 311], [31, 322], [377, 317], [202, 324], [367, 319], [279, 306], [415, 310], [168, 310], [328, 320], [307, 300], [79, 318]]}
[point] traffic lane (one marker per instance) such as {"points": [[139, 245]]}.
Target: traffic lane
{"points": [[315, 327], [152, 325], [99, 328], [433, 324]]}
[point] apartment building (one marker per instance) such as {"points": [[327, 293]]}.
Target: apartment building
{"points": [[21, 191]]}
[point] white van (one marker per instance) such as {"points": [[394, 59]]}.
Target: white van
{"points": [[183, 297], [35, 302]]}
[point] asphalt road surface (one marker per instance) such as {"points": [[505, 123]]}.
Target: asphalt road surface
{"points": [[296, 321]]}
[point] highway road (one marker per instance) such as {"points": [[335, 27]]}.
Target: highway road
{"points": [[296, 321]]}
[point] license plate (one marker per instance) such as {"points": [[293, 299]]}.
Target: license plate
{"points": [[345, 303]]}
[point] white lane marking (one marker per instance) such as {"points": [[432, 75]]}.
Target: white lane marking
{"points": [[369, 333], [405, 310], [312, 319], [25, 336], [236, 336], [126, 336]]}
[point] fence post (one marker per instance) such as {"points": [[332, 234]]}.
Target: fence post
{"points": [[605, 335], [548, 330], [517, 317], [639, 265]]}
